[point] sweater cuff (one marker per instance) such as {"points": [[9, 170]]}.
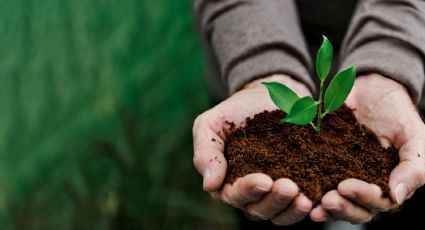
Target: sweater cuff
{"points": [[268, 63], [392, 59]]}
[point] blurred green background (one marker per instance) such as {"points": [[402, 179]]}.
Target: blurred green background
{"points": [[97, 100]]}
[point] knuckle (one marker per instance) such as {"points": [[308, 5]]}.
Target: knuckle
{"points": [[228, 197], [197, 160], [386, 206], [302, 211], [376, 190], [344, 206], [284, 195], [199, 120], [225, 198], [242, 198], [418, 176], [283, 198]]}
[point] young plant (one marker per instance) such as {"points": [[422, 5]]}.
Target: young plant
{"points": [[302, 111]]}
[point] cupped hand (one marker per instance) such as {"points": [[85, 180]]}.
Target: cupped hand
{"points": [[257, 194], [385, 107]]}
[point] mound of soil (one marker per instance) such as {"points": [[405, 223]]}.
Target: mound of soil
{"points": [[316, 161]]}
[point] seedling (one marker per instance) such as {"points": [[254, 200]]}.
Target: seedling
{"points": [[302, 111]]}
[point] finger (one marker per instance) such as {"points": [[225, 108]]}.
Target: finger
{"points": [[364, 194], [343, 209], [409, 174], [248, 189], [282, 194], [208, 155], [319, 214], [405, 179], [296, 212]]}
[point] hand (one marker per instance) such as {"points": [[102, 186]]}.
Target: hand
{"points": [[385, 107], [256, 194]]}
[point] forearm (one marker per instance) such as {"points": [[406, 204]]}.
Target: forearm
{"points": [[254, 39], [388, 37]]}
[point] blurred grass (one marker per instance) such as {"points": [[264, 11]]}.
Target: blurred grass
{"points": [[97, 99]]}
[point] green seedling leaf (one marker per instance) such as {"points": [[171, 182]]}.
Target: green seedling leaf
{"points": [[339, 88], [302, 112], [324, 59], [282, 96]]}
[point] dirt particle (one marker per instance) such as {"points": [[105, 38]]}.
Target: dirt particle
{"points": [[232, 126], [213, 139]]}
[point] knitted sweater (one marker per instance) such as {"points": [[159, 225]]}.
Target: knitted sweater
{"points": [[249, 39]]}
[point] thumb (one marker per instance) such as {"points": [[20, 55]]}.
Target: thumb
{"points": [[212, 165], [405, 179], [409, 175], [208, 155]]}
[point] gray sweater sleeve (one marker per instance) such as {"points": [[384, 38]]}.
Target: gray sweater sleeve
{"points": [[252, 39], [388, 37]]}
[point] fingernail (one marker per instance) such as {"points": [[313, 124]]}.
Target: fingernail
{"points": [[259, 189], [282, 198], [335, 209], [400, 193]]}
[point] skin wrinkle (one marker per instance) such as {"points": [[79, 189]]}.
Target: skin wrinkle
{"points": [[222, 133], [386, 95]]}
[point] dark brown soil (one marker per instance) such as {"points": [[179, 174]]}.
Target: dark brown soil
{"points": [[317, 162]]}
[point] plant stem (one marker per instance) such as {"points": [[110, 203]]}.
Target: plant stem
{"points": [[314, 127], [319, 107]]}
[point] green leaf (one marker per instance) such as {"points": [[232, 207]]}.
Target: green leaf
{"points": [[302, 112], [339, 88], [324, 59], [281, 95]]}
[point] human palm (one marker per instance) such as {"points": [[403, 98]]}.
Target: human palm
{"points": [[257, 194], [385, 107]]}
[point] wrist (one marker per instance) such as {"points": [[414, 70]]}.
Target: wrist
{"points": [[375, 80], [377, 86], [378, 99], [299, 88]]}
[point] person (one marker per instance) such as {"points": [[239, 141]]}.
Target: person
{"points": [[252, 41]]}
